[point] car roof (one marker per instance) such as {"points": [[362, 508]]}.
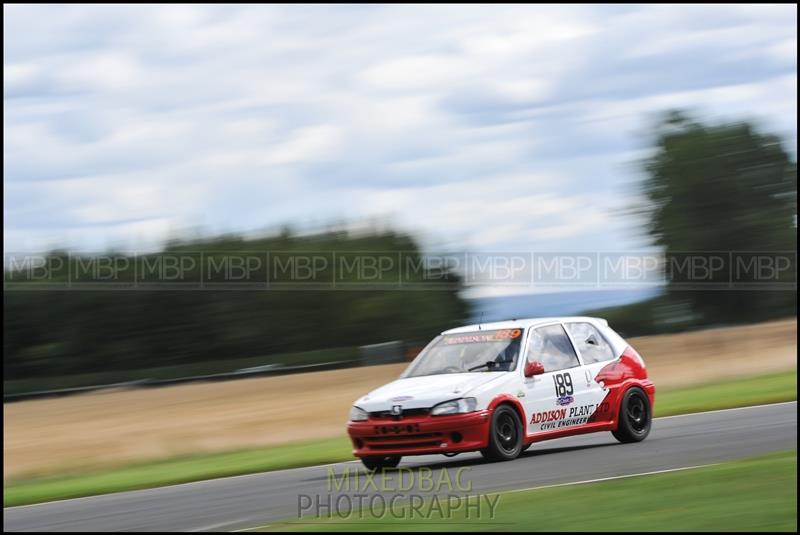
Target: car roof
{"points": [[523, 323]]}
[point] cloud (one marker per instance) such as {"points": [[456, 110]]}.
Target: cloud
{"points": [[489, 127]]}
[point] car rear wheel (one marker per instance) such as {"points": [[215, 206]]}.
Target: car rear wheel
{"points": [[505, 435], [385, 461], [635, 417]]}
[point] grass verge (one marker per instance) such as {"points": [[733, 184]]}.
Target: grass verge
{"points": [[740, 392], [759, 390], [758, 494]]}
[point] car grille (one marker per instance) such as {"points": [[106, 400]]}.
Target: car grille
{"points": [[391, 441], [407, 413]]}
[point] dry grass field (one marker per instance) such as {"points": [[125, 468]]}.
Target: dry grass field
{"points": [[116, 427]]}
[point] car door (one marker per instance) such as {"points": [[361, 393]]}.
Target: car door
{"points": [[595, 353], [556, 399]]}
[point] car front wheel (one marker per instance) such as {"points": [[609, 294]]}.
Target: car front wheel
{"points": [[376, 463], [505, 435], [635, 417]]}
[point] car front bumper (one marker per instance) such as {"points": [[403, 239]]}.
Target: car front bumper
{"points": [[420, 435]]}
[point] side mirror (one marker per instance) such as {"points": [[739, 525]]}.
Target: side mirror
{"points": [[534, 368]]}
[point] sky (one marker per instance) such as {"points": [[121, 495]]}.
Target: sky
{"points": [[480, 128]]}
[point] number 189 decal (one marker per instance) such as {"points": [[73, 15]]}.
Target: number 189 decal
{"points": [[564, 390], [563, 384]]}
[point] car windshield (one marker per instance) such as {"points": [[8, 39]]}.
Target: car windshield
{"points": [[479, 351]]}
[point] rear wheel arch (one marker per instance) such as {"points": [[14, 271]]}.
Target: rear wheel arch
{"points": [[625, 430], [623, 389]]}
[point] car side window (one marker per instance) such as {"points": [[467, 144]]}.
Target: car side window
{"points": [[591, 344], [551, 346]]}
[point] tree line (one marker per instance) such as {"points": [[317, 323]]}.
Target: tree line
{"points": [[85, 329]]}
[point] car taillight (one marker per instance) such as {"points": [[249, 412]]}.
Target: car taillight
{"points": [[631, 353]]}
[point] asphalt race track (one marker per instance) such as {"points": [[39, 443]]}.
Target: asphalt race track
{"points": [[255, 500]]}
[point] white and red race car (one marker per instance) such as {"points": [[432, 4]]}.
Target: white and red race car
{"points": [[499, 387]]}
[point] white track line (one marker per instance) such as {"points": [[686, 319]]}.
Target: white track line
{"points": [[610, 478], [726, 410], [204, 481]]}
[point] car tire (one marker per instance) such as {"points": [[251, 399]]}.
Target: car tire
{"points": [[505, 435], [635, 417], [373, 463]]}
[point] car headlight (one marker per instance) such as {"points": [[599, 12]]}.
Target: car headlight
{"points": [[455, 406], [358, 415]]}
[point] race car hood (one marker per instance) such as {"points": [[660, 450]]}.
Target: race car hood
{"points": [[425, 391]]}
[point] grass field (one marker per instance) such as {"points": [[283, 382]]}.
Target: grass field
{"points": [[758, 494], [752, 391]]}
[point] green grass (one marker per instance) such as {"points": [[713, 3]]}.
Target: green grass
{"points": [[758, 390], [758, 494], [69, 484], [176, 470]]}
